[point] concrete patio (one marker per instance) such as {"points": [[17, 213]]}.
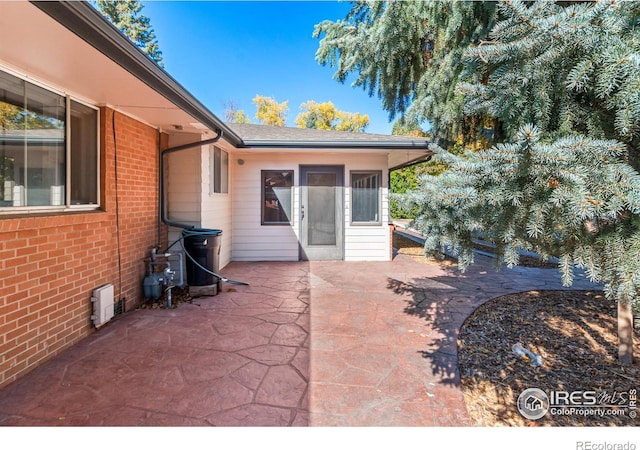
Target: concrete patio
{"points": [[306, 344]]}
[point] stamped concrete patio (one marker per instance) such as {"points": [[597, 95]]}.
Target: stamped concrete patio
{"points": [[320, 344]]}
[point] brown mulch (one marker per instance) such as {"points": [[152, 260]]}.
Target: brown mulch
{"points": [[575, 332], [178, 296], [406, 246]]}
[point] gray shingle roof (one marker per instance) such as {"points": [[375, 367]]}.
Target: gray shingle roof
{"points": [[265, 135]]}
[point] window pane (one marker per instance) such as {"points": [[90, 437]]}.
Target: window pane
{"points": [[84, 154], [32, 144], [322, 217], [220, 172], [365, 197], [224, 172], [276, 205]]}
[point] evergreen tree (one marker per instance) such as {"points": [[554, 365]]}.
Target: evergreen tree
{"points": [[411, 55], [405, 179], [125, 15], [564, 188], [557, 88], [565, 68]]}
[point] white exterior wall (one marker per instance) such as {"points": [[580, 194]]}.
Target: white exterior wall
{"points": [[183, 185], [255, 242], [189, 198], [251, 240], [216, 207], [368, 242]]}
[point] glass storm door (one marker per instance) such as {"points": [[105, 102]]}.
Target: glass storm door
{"points": [[322, 213]]}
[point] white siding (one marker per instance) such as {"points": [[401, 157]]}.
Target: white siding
{"points": [[368, 242], [183, 185], [254, 242], [216, 207], [251, 240], [189, 198]]}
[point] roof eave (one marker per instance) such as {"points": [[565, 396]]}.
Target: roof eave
{"points": [[88, 24], [373, 145]]}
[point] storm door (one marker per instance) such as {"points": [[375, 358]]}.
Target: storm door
{"points": [[321, 213]]}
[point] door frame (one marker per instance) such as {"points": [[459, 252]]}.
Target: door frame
{"points": [[322, 252]]}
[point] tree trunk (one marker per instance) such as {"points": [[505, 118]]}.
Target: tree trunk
{"points": [[625, 333]]}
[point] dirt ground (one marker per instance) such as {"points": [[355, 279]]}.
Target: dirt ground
{"points": [[575, 333]]}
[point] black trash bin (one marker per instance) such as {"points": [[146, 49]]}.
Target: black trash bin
{"points": [[202, 245]]}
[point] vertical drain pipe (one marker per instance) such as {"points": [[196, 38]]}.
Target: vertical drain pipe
{"points": [[163, 194], [163, 182], [168, 273]]}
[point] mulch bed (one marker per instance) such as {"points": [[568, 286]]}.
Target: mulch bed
{"points": [[178, 296], [406, 246], [575, 332]]}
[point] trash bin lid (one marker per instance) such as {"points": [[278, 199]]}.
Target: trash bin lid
{"points": [[201, 232]]}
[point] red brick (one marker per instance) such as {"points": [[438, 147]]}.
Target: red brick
{"points": [[51, 263]]}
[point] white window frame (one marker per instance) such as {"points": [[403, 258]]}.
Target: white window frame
{"points": [[69, 156], [67, 207], [379, 202]]}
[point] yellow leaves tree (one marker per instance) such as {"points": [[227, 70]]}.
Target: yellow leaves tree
{"points": [[270, 112], [233, 114], [321, 116], [325, 116], [13, 117]]}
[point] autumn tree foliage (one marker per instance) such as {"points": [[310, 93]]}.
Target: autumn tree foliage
{"points": [[325, 116], [269, 111], [233, 114], [321, 116]]}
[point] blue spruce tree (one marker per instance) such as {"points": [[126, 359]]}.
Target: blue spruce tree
{"points": [[556, 88]]}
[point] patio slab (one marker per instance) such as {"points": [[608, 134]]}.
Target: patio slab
{"points": [[307, 343]]}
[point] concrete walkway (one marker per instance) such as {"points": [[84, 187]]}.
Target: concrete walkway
{"points": [[320, 344]]}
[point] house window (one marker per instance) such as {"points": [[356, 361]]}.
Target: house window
{"points": [[276, 197], [84, 161], [48, 149], [365, 197], [219, 171]]}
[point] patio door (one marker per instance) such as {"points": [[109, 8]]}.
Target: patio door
{"points": [[321, 213]]}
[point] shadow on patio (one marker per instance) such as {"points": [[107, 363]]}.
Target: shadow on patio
{"points": [[320, 343]]}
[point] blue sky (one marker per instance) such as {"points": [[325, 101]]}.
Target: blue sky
{"points": [[234, 50]]}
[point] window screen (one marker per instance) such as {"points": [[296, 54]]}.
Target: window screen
{"points": [[365, 196]]}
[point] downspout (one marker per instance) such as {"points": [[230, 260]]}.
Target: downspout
{"points": [[163, 183], [163, 202]]}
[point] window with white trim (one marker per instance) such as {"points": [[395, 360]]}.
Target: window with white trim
{"points": [[48, 149], [365, 197]]}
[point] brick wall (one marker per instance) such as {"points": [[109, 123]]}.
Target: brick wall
{"points": [[50, 264]]}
